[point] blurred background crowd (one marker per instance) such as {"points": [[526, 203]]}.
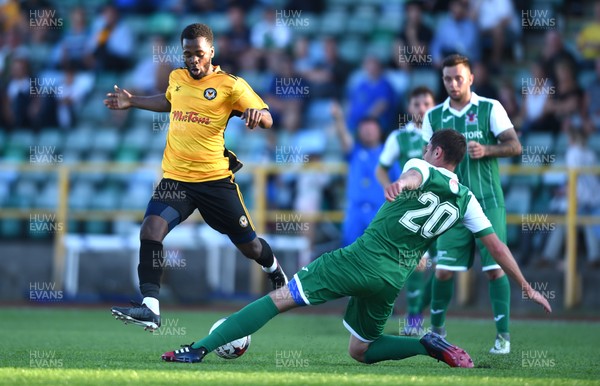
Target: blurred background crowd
{"points": [[311, 61]]}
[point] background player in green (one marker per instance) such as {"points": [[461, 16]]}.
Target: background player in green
{"points": [[401, 145], [490, 134], [426, 201]]}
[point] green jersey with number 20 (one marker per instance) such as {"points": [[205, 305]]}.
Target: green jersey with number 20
{"points": [[402, 230]]}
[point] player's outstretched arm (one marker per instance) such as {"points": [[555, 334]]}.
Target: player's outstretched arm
{"points": [[505, 259], [122, 99], [382, 176], [409, 180]]}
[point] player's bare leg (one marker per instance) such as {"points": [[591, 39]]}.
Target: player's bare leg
{"points": [[260, 251], [244, 322]]}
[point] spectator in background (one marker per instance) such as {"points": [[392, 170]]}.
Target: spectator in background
{"points": [[364, 195], [482, 84], [226, 55], [508, 99], [592, 103], [372, 96], [495, 22], [239, 33], [588, 201], [415, 35], [327, 73], [456, 33], [267, 33], [303, 62], [112, 42], [554, 51], [70, 50], [287, 93], [566, 105], [588, 40], [535, 115], [74, 88], [20, 106]]}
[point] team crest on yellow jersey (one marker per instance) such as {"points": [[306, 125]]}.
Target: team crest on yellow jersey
{"points": [[210, 93]]}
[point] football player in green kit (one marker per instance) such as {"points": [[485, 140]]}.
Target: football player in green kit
{"points": [[489, 134], [400, 146], [426, 201]]}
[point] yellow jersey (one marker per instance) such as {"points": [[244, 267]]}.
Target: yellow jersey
{"points": [[200, 109]]}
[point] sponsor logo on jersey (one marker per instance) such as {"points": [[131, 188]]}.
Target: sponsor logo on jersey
{"points": [[473, 134], [210, 93], [453, 186], [471, 118], [243, 221], [189, 116]]}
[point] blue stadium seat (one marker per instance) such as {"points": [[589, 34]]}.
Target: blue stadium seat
{"points": [[334, 23], [105, 140], [79, 139], [48, 196]]}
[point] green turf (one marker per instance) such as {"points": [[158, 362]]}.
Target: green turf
{"points": [[47, 346]]}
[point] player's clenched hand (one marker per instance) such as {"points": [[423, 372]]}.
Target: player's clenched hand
{"points": [[538, 298], [252, 117], [118, 100], [392, 191], [476, 150]]}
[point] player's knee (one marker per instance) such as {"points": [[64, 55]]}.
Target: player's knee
{"points": [[494, 274], [154, 228], [357, 354], [442, 274]]}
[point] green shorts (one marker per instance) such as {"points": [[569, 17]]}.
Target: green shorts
{"points": [[456, 247], [337, 274]]}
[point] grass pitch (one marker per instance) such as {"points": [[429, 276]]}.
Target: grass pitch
{"points": [[60, 346]]}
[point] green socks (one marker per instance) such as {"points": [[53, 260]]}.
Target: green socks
{"points": [[500, 297], [414, 291], [426, 293], [441, 295], [244, 322], [393, 347]]}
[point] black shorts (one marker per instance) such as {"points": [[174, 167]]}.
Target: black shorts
{"points": [[219, 202]]}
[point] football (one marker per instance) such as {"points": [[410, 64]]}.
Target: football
{"points": [[234, 349]]}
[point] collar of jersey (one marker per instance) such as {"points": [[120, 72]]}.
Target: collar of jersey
{"points": [[474, 101], [447, 173]]}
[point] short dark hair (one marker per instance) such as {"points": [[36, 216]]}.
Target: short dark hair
{"points": [[197, 30], [455, 60], [421, 90], [452, 142]]}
